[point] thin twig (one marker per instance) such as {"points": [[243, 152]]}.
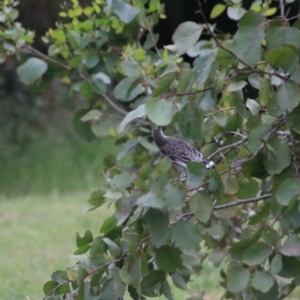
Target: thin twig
{"points": [[30, 50], [153, 41], [281, 6], [228, 147], [55, 288], [243, 201], [187, 93], [226, 205], [114, 105]]}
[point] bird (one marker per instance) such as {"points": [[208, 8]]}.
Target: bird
{"points": [[177, 150]]}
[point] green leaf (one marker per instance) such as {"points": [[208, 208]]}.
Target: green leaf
{"points": [[287, 96], [91, 115], [157, 223], [166, 289], [270, 236], [201, 205], [114, 249], [82, 249], [215, 183], [127, 147], [276, 162], [168, 258], [83, 129], [208, 102], [291, 246], [186, 35], [264, 91], [86, 89], [189, 117], [257, 254], [128, 89], [217, 10], [110, 229], [153, 278], [159, 111], [165, 82], [253, 106], [100, 81], [196, 174], [32, 70], [202, 65], [248, 39], [287, 190], [174, 197], [121, 180], [123, 10], [276, 264], [256, 135], [237, 278], [277, 37], [91, 61], [285, 57], [254, 79], [131, 272], [185, 235], [234, 122], [238, 102], [290, 268], [139, 112], [179, 282], [235, 13], [154, 198], [85, 240], [262, 281], [50, 286], [236, 86]]}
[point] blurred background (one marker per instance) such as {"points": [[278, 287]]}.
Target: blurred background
{"points": [[46, 171]]}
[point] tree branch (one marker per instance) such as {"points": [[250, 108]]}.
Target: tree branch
{"points": [[244, 139], [187, 93], [241, 202]]}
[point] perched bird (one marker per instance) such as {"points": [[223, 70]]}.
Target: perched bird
{"points": [[177, 150]]}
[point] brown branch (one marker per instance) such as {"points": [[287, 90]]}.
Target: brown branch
{"points": [[244, 139], [187, 93], [30, 50], [227, 205], [241, 202]]}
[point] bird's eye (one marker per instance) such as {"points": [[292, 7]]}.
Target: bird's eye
{"points": [[150, 139]]}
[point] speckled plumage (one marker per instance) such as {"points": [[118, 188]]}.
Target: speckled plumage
{"points": [[177, 150]]}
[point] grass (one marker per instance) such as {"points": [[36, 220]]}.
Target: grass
{"points": [[38, 238]]}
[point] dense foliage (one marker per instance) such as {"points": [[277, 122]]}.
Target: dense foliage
{"points": [[245, 213]]}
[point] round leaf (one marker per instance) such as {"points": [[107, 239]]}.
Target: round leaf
{"points": [[217, 10], [128, 89], [277, 156], [287, 95], [257, 254], [32, 70], [237, 278], [262, 281], [159, 111], [287, 190], [185, 36]]}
